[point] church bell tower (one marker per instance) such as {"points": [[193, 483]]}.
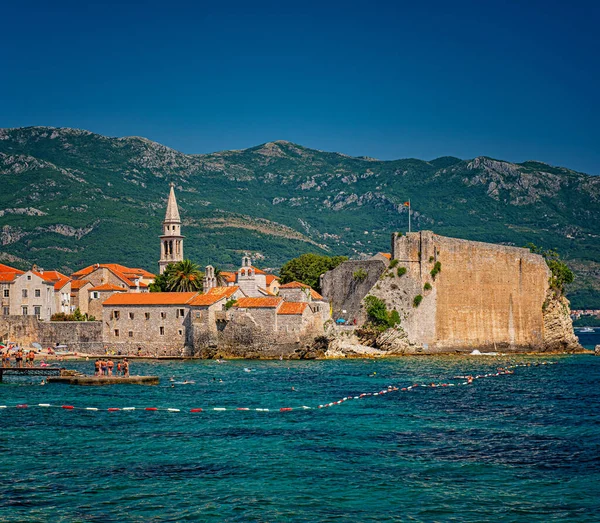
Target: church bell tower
{"points": [[171, 241]]}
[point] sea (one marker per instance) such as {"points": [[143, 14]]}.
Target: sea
{"points": [[514, 447]]}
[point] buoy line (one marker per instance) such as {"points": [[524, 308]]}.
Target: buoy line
{"points": [[464, 381]]}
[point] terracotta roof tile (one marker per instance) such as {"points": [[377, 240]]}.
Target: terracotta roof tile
{"points": [[251, 303], [292, 307], [297, 285], [270, 278], [8, 276], [7, 268], [126, 274], [78, 284], [224, 291], [50, 276], [107, 287], [150, 298], [204, 300], [385, 255], [61, 283]]}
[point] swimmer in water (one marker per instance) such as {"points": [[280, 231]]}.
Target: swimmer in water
{"points": [[246, 369], [43, 382]]}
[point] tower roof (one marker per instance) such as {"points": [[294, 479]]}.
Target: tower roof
{"points": [[172, 214]]}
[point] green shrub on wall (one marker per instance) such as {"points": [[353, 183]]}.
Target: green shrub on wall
{"points": [[401, 271], [360, 275], [436, 269], [427, 286], [417, 301], [393, 263]]}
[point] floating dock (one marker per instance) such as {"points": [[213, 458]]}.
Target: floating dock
{"points": [[29, 371], [104, 380]]}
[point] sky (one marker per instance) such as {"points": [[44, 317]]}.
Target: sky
{"points": [[512, 80]]}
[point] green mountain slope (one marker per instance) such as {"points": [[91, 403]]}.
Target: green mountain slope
{"points": [[71, 198]]}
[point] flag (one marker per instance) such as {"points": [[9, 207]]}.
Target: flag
{"points": [[406, 204]]}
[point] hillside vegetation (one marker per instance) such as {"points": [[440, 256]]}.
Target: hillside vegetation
{"points": [[71, 198]]}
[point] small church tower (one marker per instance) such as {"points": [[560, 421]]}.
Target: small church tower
{"points": [[210, 280], [171, 241], [246, 277]]}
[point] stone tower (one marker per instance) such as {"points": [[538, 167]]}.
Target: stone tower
{"points": [[210, 280], [171, 241], [246, 277]]}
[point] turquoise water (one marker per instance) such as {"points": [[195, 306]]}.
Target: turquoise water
{"points": [[522, 447]]}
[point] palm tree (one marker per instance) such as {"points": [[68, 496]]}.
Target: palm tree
{"points": [[185, 276], [221, 281]]}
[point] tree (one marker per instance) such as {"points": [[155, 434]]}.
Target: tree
{"points": [[308, 269], [378, 315], [561, 274], [183, 276]]}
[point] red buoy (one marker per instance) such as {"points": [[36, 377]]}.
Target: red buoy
{"points": [[68, 407], [113, 409], [149, 408], [284, 409], [193, 410]]}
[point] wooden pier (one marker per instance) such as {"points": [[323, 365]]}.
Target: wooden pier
{"points": [[29, 371]]}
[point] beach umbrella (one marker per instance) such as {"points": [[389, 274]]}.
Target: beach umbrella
{"points": [[36, 345]]}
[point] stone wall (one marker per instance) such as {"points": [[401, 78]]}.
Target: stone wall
{"points": [[79, 336], [345, 292], [487, 297], [155, 335]]}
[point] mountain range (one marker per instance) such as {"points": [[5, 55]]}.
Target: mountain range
{"points": [[71, 198]]}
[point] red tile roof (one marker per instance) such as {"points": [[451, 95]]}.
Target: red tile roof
{"points": [[213, 296], [126, 274], [292, 307], [270, 278], [78, 284], [50, 276], [61, 283], [252, 303], [107, 287], [297, 285], [150, 298], [385, 255], [8, 273]]}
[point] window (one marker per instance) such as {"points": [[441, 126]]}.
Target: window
{"points": [[180, 332], [6, 293], [38, 293], [24, 293], [162, 331], [117, 333], [163, 315], [24, 311], [37, 311], [116, 315], [6, 311], [147, 315], [131, 315], [180, 313], [28, 277], [95, 295], [131, 334]]}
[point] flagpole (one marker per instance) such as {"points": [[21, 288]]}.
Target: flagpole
{"points": [[409, 215]]}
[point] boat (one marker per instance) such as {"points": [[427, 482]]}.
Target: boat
{"points": [[586, 329]]}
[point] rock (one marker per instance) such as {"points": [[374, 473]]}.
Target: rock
{"points": [[395, 341], [558, 326], [597, 350]]}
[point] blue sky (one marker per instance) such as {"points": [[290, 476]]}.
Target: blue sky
{"points": [[511, 80]]}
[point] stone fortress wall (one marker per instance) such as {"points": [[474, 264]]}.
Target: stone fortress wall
{"points": [[485, 296]]}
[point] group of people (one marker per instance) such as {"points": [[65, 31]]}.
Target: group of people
{"points": [[19, 356], [106, 366]]}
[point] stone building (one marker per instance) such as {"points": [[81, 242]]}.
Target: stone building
{"points": [[29, 293], [252, 281], [157, 322], [129, 279], [300, 292], [171, 240]]}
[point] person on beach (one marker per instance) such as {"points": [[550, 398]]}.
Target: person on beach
{"points": [[119, 368], [97, 367], [103, 367], [126, 368], [110, 364], [30, 358], [19, 358]]}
